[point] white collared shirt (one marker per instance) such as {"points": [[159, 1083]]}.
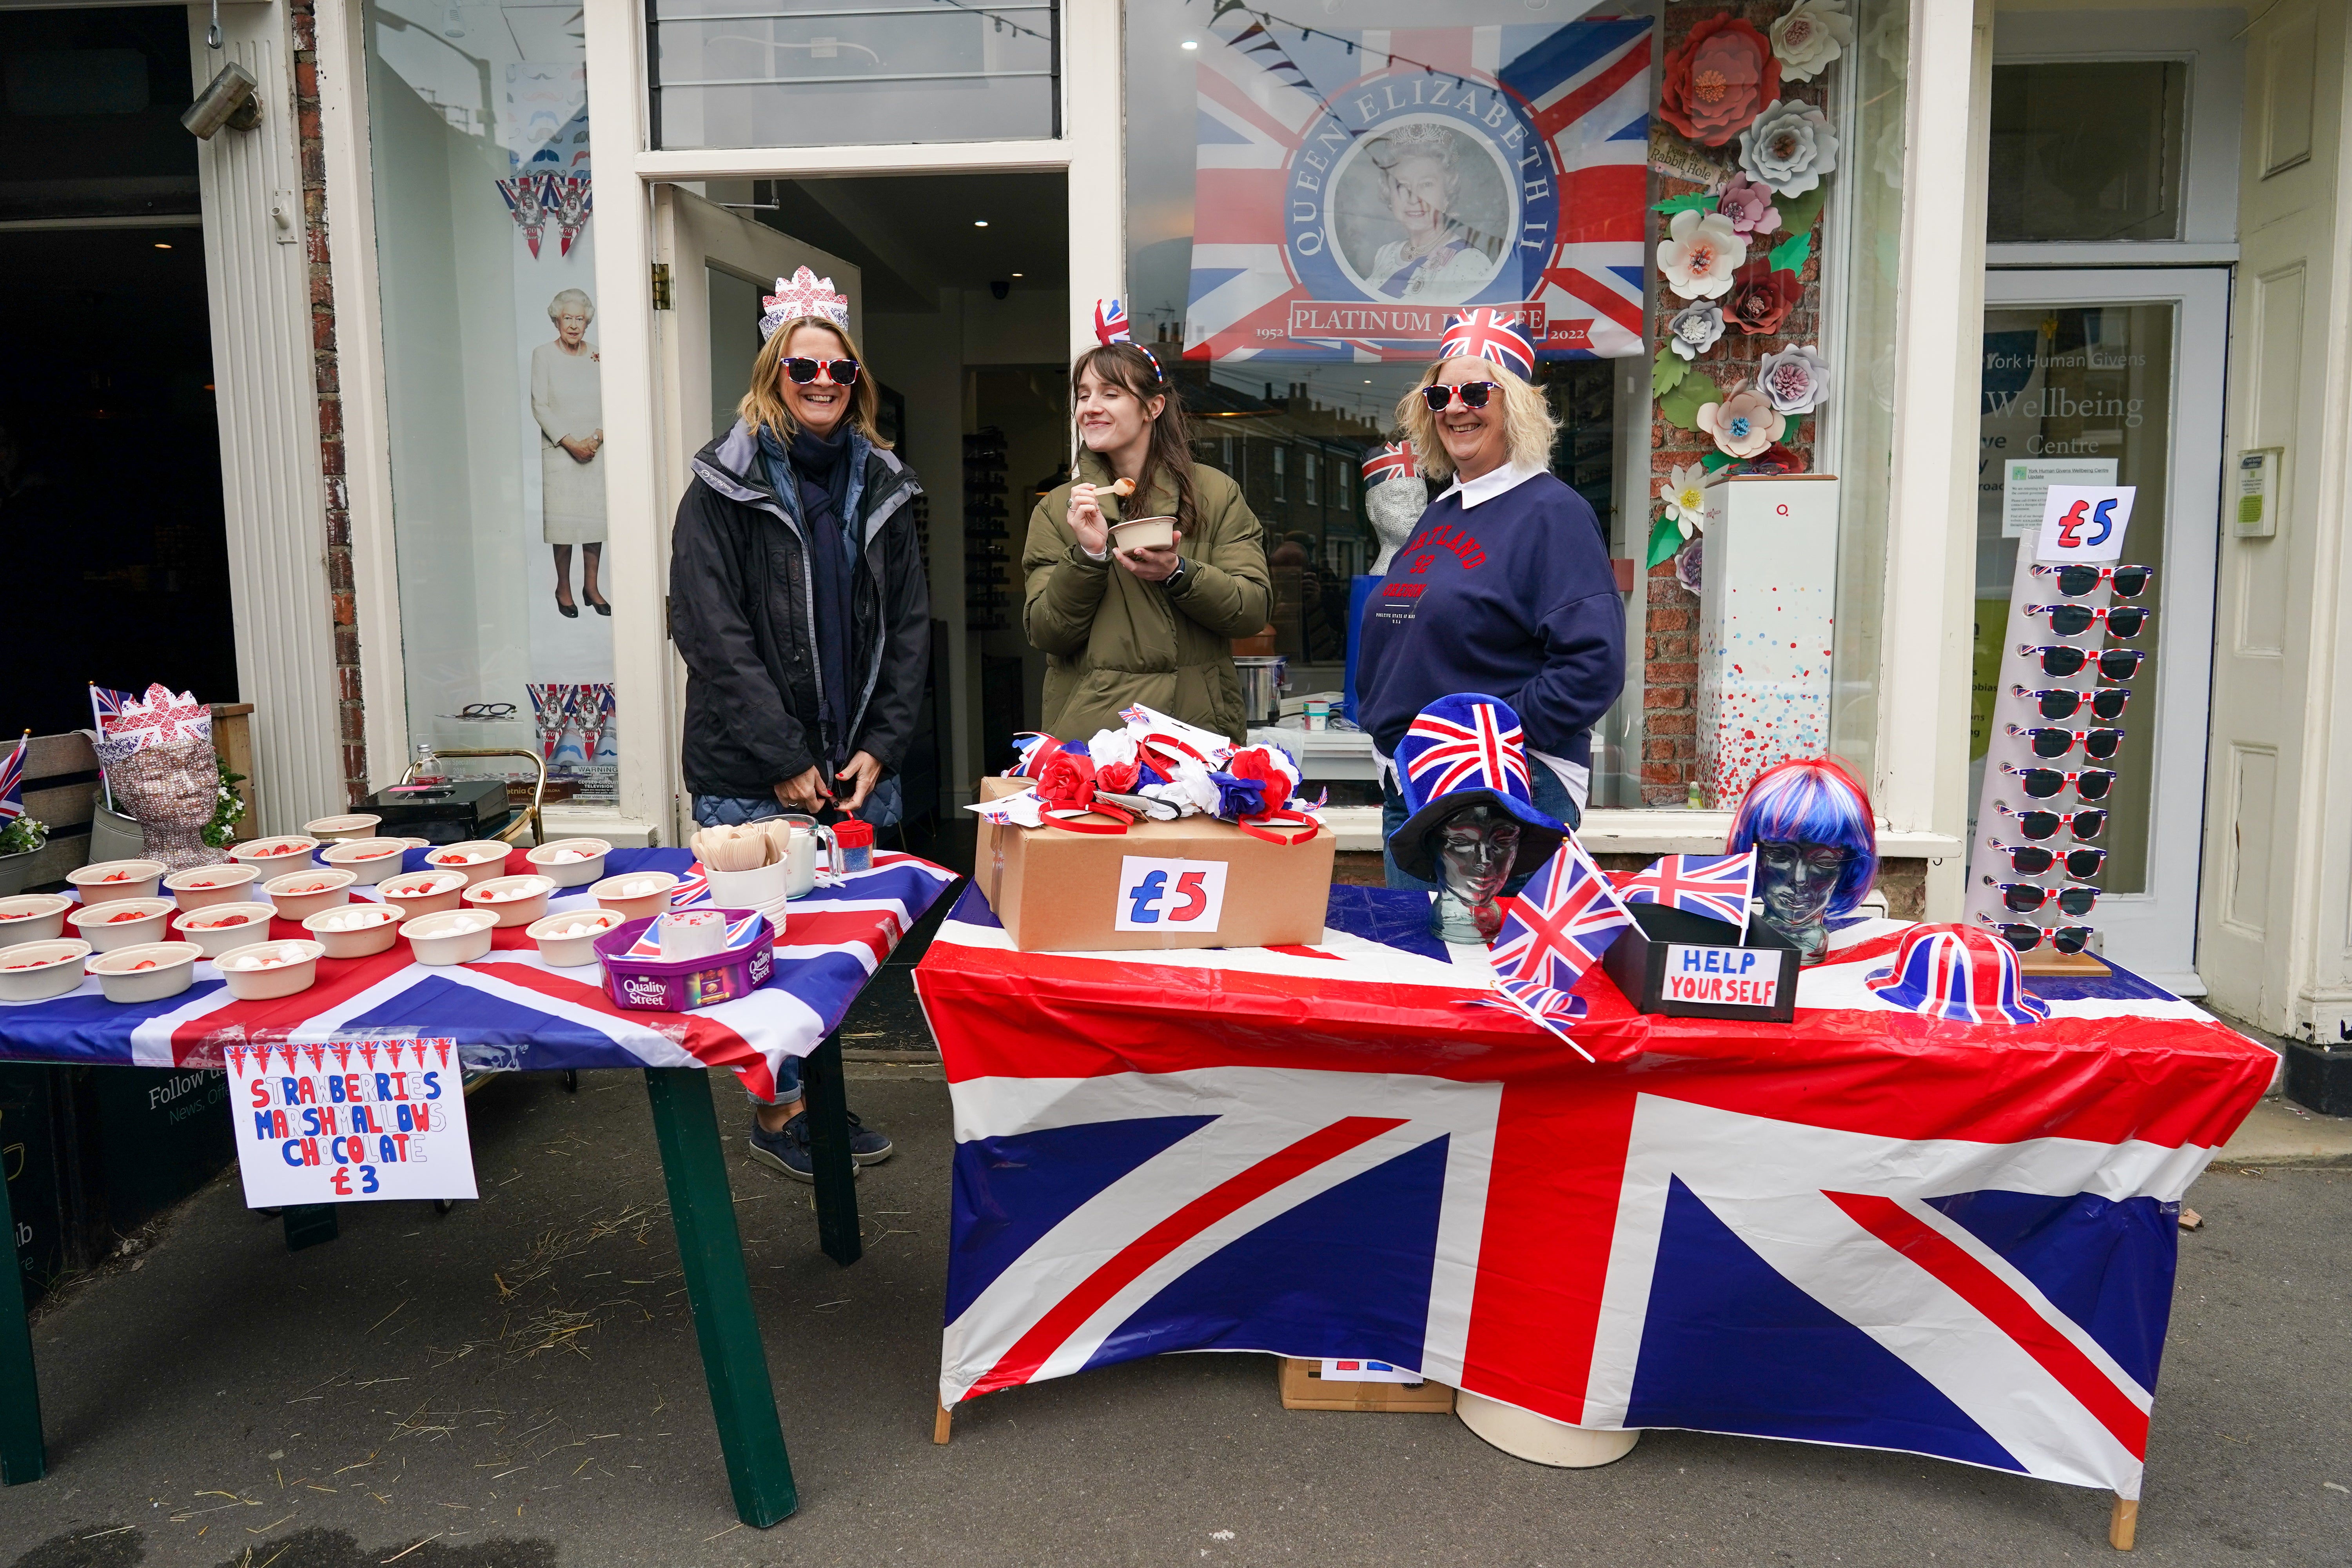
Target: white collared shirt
{"points": [[1495, 483]]}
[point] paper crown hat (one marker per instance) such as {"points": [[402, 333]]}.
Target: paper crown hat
{"points": [[1466, 750], [1391, 461], [1483, 332], [1964, 973], [800, 297]]}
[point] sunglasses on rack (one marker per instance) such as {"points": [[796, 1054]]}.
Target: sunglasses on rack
{"points": [[2025, 898], [2127, 582], [2026, 938], [2074, 620], [2064, 703], [2090, 783], [1473, 395], [2034, 860], [842, 372], [2084, 825], [2049, 742], [2058, 660]]}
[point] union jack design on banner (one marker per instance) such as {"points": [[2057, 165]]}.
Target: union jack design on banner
{"points": [[1561, 923], [1313, 239], [1490, 335], [1480, 753], [12, 781], [1715, 885]]}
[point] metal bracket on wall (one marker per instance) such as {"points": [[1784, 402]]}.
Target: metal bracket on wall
{"points": [[661, 285]]}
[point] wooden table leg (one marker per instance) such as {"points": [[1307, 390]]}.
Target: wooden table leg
{"points": [[943, 1424], [828, 1121], [711, 1252], [22, 1457], [2122, 1524]]}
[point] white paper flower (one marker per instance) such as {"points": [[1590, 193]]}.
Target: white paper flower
{"points": [[1743, 423], [1794, 381], [1809, 35], [1701, 252], [1789, 148], [1192, 791], [1685, 497], [1694, 328], [1109, 748]]}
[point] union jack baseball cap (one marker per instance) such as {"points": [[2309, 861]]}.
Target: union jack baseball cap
{"points": [[1462, 750], [1964, 973]]}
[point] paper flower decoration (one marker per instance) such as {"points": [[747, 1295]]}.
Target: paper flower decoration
{"points": [[1685, 495], [1256, 765], [1789, 148], [1743, 424], [1748, 206], [1761, 298], [1794, 381], [1699, 254], [1067, 780], [1714, 85], [1809, 35], [1687, 563], [1694, 328]]}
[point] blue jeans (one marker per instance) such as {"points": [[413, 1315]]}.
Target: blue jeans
{"points": [[1552, 797]]}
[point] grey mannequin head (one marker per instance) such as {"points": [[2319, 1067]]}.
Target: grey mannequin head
{"points": [[1474, 850]]}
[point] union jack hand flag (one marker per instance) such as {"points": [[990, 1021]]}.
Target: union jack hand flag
{"points": [[12, 782], [1481, 751], [1492, 335], [1560, 923], [1715, 885]]}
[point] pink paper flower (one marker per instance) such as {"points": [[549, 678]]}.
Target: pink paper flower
{"points": [[1796, 380], [1699, 254], [1748, 205], [1743, 423], [1712, 84]]}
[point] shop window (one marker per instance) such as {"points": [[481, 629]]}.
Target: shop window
{"points": [[2088, 150], [1280, 493], [478, 122], [800, 73], [1311, 493]]}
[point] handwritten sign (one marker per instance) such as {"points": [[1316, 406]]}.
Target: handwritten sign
{"points": [[2084, 524], [1168, 894], [1722, 977], [351, 1122]]}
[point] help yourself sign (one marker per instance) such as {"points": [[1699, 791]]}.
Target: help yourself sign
{"points": [[1722, 977], [350, 1122]]}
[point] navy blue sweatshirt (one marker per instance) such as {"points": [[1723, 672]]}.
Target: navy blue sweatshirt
{"points": [[1512, 597]]}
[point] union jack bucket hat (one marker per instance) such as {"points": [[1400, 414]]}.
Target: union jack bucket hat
{"points": [[1466, 750], [1962, 973]]}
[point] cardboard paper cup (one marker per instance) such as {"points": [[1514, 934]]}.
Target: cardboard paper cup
{"points": [[32, 916], [119, 924], [515, 901], [37, 971], [425, 892], [355, 930], [452, 936], [359, 825], [147, 971], [369, 860], [209, 884], [752, 889], [478, 859], [299, 895], [261, 970], [571, 862], [108, 881], [216, 930], [275, 857], [567, 941], [635, 895], [1143, 534]]}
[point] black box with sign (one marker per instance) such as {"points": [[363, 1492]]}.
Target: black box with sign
{"points": [[447, 811], [1688, 966]]}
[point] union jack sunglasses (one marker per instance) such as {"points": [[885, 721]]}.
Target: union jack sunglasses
{"points": [[2025, 898], [2061, 660], [2034, 859], [2074, 620], [2127, 582], [2063, 702], [2090, 783], [1473, 395], [2084, 825], [842, 372], [2049, 742], [2026, 938]]}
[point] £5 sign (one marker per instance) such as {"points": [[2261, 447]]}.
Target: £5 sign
{"points": [[1174, 896], [2084, 524]]}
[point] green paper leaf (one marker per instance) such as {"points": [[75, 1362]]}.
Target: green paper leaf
{"points": [[1666, 372], [1798, 213], [1665, 540], [1693, 391], [1714, 460], [1790, 255], [1697, 202]]}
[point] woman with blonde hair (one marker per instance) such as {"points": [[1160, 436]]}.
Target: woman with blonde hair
{"points": [[1504, 588], [797, 600], [567, 398]]}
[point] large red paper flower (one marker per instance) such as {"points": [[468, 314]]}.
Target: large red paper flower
{"points": [[1719, 80], [1067, 780], [1254, 763], [1761, 296]]}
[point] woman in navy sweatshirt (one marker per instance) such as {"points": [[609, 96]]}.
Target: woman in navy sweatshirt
{"points": [[1504, 585]]}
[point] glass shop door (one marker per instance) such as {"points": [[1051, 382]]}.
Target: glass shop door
{"points": [[2099, 377]]}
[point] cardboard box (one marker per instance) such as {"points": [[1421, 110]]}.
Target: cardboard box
{"points": [[1304, 1387], [1688, 966], [1194, 883]]}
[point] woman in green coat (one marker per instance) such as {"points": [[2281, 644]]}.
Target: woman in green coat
{"points": [[1154, 627]]}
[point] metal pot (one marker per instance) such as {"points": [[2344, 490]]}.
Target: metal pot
{"points": [[1263, 680]]}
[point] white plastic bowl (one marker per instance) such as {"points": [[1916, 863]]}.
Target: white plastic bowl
{"points": [[108, 881], [280, 969], [355, 930], [481, 859], [452, 936], [37, 971], [359, 825], [636, 895], [567, 941], [571, 862], [424, 892], [275, 857], [32, 916], [105, 928], [1143, 534], [148, 972], [371, 860], [516, 900], [208, 885], [239, 926], [299, 895], [413, 842]]}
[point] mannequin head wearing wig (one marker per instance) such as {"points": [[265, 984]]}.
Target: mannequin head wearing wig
{"points": [[1816, 843]]}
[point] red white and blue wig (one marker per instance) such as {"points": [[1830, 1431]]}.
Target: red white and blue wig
{"points": [[1812, 800]]}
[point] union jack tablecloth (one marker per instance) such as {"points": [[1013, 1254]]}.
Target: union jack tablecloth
{"points": [[1865, 1227], [510, 1009]]}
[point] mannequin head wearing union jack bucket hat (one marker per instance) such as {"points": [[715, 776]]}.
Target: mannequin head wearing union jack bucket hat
{"points": [[806, 324], [1465, 752], [1810, 821], [1123, 405], [1965, 974], [1489, 415]]}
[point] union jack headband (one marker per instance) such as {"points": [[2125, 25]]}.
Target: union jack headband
{"points": [[1491, 335], [1392, 461], [803, 296], [1110, 327]]}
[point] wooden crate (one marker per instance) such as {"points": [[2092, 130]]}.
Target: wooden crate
{"points": [[1304, 1387]]}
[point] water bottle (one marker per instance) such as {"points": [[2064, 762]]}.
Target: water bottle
{"points": [[429, 764]]}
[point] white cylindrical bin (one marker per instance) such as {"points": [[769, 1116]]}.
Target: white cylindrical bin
{"points": [[1539, 1439]]}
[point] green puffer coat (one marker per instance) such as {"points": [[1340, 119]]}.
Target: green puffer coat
{"points": [[1113, 640]]}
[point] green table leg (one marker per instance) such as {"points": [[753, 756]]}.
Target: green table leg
{"points": [[309, 1224], [710, 1251], [837, 1184], [22, 1457]]}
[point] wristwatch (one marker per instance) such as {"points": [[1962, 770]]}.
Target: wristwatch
{"points": [[1177, 575]]}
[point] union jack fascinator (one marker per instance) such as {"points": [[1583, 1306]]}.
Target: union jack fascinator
{"points": [[1392, 461], [1111, 331], [1964, 973], [1812, 800], [1487, 333], [1462, 750], [803, 296]]}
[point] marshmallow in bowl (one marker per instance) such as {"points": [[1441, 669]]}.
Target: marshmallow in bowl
{"points": [[267, 958], [358, 918], [638, 887], [566, 857]]}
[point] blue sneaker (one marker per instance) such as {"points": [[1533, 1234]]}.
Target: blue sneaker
{"points": [[786, 1149], [867, 1147]]}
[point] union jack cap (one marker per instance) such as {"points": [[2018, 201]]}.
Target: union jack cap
{"points": [[1964, 973], [803, 295], [1487, 333], [1394, 461], [1462, 750]]}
